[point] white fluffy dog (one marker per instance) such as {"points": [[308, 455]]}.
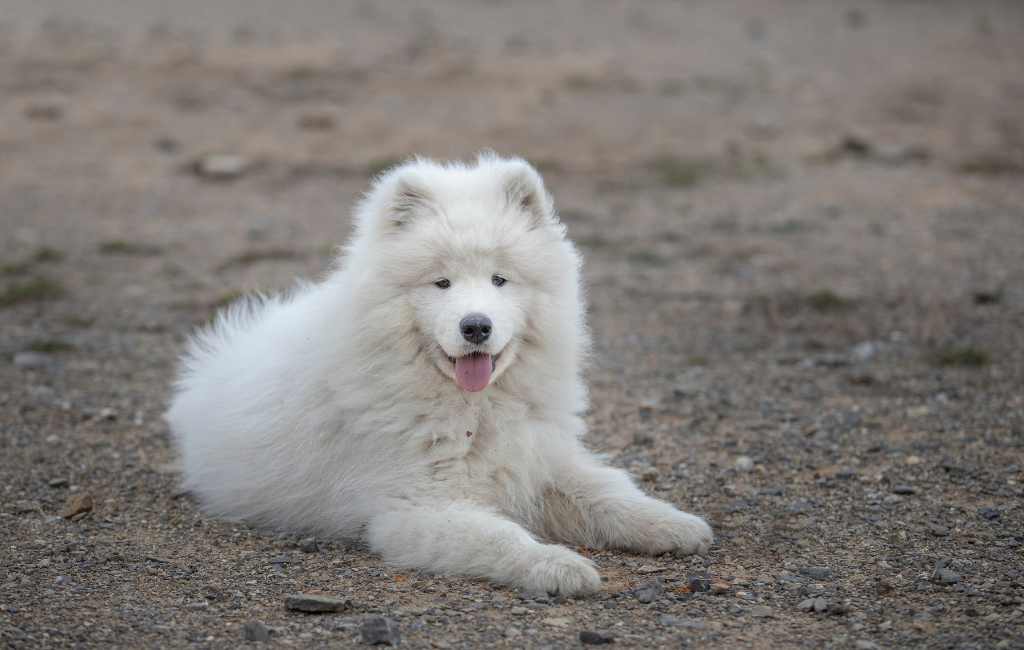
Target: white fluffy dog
{"points": [[425, 397]]}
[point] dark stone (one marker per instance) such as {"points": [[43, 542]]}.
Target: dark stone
{"points": [[309, 545], [588, 637], [698, 585], [818, 573], [904, 489], [311, 603], [256, 631], [380, 631]]}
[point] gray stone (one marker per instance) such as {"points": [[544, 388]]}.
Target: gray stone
{"points": [[946, 576], [197, 607], [760, 611], [256, 631], [380, 631], [818, 573], [904, 489], [719, 589], [646, 592], [511, 632], [668, 620], [819, 604], [806, 605], [939, 530], [313, 603], [284, 559], [31, 359], [589, 637], [839, 608], [646, 596], [58, 482], [1012, 469], [309, 545]]}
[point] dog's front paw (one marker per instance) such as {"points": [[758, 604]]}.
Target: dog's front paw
{"points": [[659, 528], [692, 536], [561, 572]]}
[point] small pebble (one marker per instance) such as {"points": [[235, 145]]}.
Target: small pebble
{"points": [[589, 637], [379, 630], [256, 631]]}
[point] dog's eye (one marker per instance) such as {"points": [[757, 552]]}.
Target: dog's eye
{"points": [[498, 280], [444, 284]]}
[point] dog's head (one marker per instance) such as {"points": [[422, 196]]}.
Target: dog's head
{"points": [[479, 261]]}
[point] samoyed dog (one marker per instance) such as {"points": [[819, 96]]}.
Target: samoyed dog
{"points": [[425, 398]]}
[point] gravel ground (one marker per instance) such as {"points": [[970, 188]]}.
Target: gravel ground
{"points": [[802, 234]]}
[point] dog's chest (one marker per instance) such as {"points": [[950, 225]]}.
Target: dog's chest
{"points": [[485, 460]]}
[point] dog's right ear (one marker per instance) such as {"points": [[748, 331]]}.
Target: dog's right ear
{"points": [[409, 197]]}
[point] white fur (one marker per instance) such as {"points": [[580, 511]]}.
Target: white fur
{"points": [[335, 410]]}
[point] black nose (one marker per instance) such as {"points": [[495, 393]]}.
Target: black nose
{"points": [[475, 329]]}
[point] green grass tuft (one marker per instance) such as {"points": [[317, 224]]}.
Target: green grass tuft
{"points": [[35, 289], [49, 345], [47, 254], [825, 301], [953, 356]]}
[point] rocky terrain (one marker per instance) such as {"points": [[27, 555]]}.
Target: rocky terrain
{"points": [[803, 231]]}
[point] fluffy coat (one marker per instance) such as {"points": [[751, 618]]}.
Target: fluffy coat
{"points": [[337, 410]]}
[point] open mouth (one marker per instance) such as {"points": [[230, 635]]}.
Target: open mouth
{"points": [[473, 371]]}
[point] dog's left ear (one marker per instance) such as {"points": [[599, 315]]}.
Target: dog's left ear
{"points": [[524, 190]]}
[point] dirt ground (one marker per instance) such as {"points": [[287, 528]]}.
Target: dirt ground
{"points": [[803, 226]]}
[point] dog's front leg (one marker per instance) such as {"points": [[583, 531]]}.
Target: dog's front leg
{"points": [[600, 507], [463, 538]]}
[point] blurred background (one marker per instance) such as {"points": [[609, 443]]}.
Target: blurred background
{"points": [[775, 176]]}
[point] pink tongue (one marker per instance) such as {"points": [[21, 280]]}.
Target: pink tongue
{"points": [[473, 371]]}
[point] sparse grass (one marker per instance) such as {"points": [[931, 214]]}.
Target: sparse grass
{"points": [[35, 289], [125, 247], [254, 255], [646, 256], [377, 167], [49, 345], [786, 227], [676, 172], [826, 301], [671, 236], [115, 246], [13, 269], [993, 164], [954, 356], [47, 254]]}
